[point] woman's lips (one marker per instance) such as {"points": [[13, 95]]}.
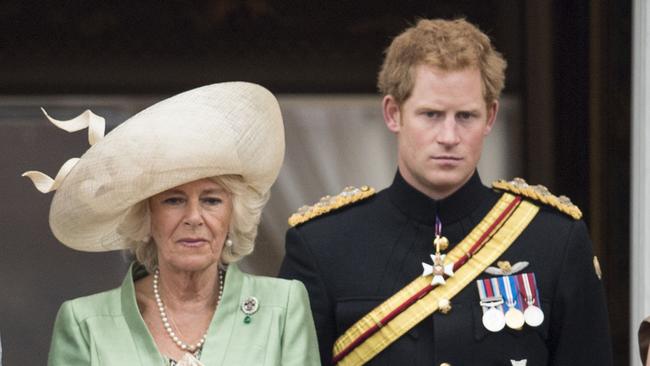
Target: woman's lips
{"points": [[192, 242]]}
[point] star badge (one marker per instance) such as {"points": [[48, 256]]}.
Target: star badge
{"points": [[439, 270]]}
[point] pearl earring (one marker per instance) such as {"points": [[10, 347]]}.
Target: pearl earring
{"points": [[228, 242]]}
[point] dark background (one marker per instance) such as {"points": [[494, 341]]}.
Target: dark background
{"points": [[150, 46], [569, 63]]}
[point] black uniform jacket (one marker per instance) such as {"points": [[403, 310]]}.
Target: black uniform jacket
{"points": [[354, 258]]}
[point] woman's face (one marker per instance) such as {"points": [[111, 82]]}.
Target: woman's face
{"points": [[189, 224]]}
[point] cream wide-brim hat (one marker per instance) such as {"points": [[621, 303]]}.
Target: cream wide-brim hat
{"points": [[227, 128]]}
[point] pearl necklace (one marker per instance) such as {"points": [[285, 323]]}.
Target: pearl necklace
{"points": [[165, 320]]}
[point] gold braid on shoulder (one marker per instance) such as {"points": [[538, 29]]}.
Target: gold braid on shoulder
{"points": [[330, 203], [539, 193]]}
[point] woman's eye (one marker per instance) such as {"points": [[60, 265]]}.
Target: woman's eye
{"points": [[173, 201], [212, 201]]}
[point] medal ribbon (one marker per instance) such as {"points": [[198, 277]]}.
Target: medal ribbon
{"points": [[498, 289], [482, 291], [528, 283], [485, 293], [506, 286], [514, 289]]}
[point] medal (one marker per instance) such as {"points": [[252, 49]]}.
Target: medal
{"points": [[439, 270], [493, 320], [514, 316], [533, 315]]}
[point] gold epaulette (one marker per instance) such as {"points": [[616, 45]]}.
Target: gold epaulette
{"points": [[539, 193], [330, 203]]}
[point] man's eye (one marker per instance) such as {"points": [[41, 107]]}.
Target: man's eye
{"points": [[432, 114], [464, 115]]}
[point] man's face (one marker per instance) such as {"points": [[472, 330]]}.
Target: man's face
{"points": [[440, 129]]}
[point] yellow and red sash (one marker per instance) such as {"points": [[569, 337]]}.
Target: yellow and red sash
{"points": [[419, 299]]}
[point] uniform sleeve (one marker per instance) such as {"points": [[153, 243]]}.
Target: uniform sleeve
{"points": [[299, 345], [579, 333], [69, 343], [299, 264]]}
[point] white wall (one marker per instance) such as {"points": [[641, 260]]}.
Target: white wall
{"points": [[640, 216]]}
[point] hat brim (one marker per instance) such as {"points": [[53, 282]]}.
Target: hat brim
{"points": [[220, 129]]}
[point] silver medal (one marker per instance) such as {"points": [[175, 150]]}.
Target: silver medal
{"points": [[493, 319], [514, 318], [534, 316]]}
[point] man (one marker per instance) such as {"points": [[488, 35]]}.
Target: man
{"points": [[509, 279]]}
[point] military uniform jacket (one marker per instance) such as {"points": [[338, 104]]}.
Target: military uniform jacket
{"points": [[354, 258]]}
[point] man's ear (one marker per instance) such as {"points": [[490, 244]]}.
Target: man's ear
{"points": [[392, 115], [492, 110]]}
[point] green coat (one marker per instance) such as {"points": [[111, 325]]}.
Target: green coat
{"points": [[107, 328]]}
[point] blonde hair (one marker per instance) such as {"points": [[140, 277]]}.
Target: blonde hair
{"points": [[247, 205], [450, 45]]}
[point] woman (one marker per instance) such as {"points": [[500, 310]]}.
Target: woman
{"points": [[181, 184]]}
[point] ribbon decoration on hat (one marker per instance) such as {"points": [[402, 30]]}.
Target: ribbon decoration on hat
{"points": [[96, 127], [95, 124]]}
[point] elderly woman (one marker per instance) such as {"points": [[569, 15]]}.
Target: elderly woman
{"points": [[181, 184]]}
